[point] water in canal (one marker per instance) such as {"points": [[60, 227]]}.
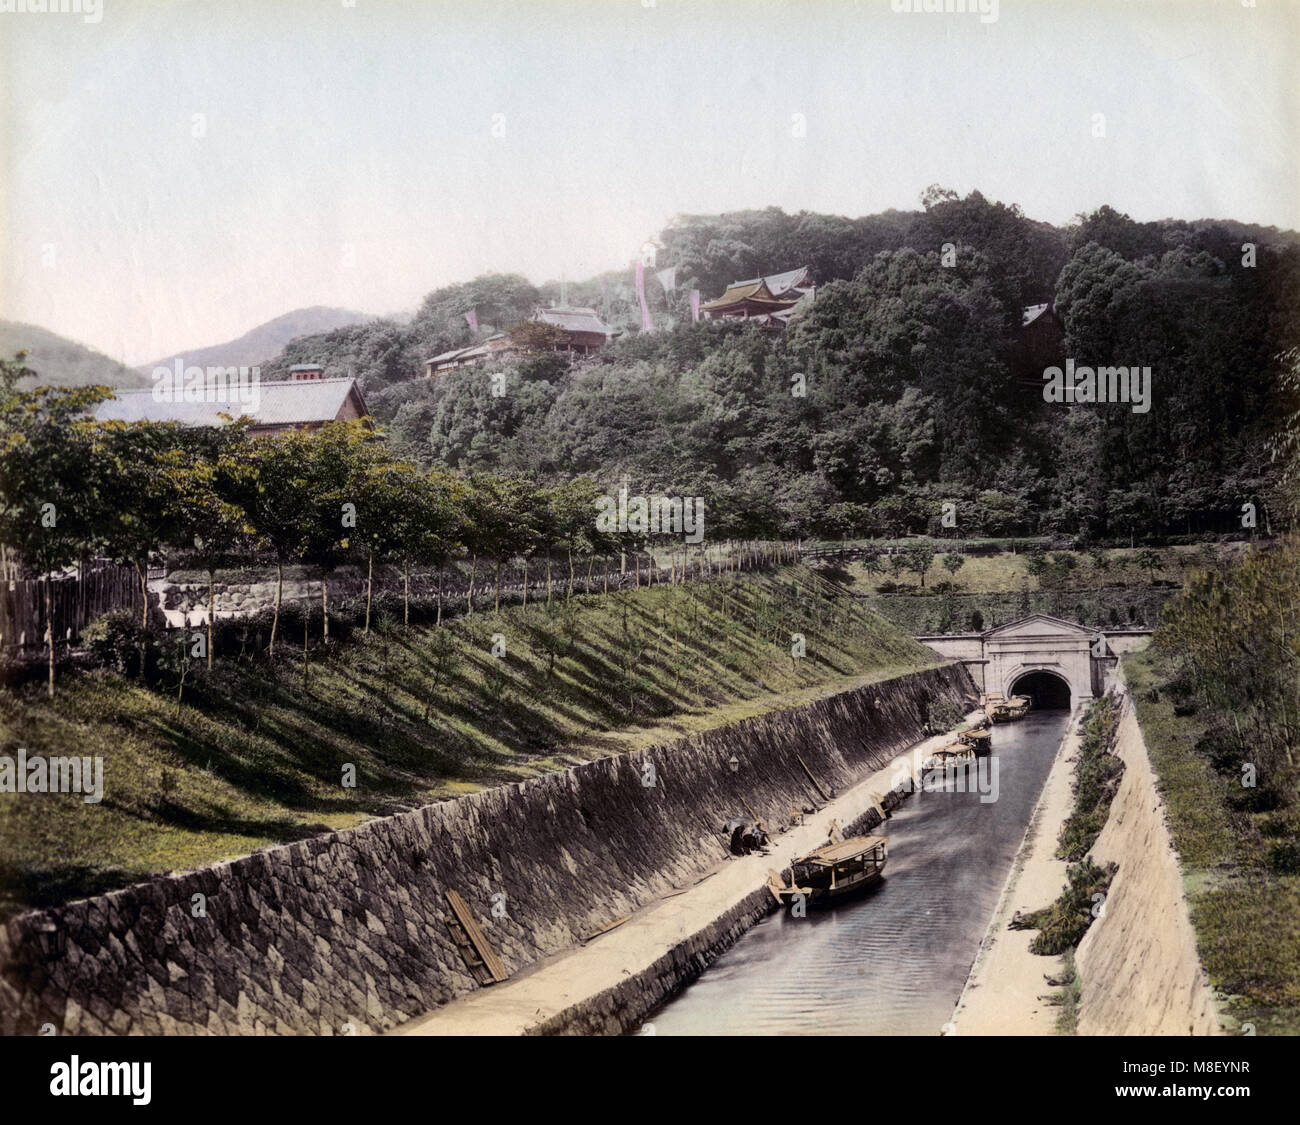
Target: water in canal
{"points": [[892, 962]]}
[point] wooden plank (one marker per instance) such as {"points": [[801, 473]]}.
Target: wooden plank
{"points": [[473, 962], [809, 772], [613, 925], [776, 886], [476, 936]]}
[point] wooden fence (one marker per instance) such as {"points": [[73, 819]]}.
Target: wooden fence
{"points": [[75, 601]]}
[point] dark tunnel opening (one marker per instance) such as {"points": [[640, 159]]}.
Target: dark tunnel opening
{"points": [[1048, 691]]}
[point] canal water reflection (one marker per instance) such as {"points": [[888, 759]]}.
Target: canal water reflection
{"points": [[894, 961]]}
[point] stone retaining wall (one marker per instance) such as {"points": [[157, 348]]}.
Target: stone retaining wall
{"points": [[624, 1008], [346, 932]]}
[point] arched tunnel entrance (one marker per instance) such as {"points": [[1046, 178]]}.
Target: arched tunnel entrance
{"points": [[1048, 690]]}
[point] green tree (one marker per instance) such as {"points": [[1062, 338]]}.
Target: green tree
{"points": [[48, 459], [1150, 561], [919, 557], [204, 519]]}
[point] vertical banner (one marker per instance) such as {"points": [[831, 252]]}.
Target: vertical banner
{"points": [[647, 325], [695, 306], [471, 318]]}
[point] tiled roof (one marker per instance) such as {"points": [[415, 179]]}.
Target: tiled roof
{"points": [[277, 404], [781, 284], [755, 292], [446, 357], [498, 343], [1031, 313], [573, 319]]}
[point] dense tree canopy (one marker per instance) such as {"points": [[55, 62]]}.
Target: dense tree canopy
{"points": [[907, 383], [904, 385]]}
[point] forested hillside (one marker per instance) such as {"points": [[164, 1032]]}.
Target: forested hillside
{"points": [[61, 362], [266, 341], [921, 387]]}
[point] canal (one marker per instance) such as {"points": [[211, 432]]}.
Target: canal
{"points": [[894, 961]]}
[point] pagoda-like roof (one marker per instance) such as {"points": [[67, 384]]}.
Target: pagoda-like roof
{"points": [[747, 294], [783, 285]]}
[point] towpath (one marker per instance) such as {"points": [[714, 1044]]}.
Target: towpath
{"points": [[558, 984]]}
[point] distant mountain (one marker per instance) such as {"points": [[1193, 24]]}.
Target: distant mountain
{"points": [[59, 362], [266, 341]]}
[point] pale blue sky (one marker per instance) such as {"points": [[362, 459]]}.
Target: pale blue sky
{"points": [[349, 156]]}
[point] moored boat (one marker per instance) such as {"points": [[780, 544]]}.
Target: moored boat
{"points": [[979, 739], [1002, 710], [833, 872], [955, 753]]}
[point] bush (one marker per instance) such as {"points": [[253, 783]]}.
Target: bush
{"points": [[1062, 925], [118, 641], [1284, 858]]}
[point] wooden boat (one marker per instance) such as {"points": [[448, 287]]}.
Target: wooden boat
{"points": [[979, 739], [955, 753], [833, 872], [1009, 710]]}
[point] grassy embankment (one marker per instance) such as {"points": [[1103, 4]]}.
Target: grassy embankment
{"points": [[1245, 905], [253, 757], [999, 588]]}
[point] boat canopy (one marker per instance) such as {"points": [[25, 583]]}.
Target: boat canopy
{"points": [[833, 854]]}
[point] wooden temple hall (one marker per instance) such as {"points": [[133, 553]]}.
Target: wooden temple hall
{"points": [[770, 301]]}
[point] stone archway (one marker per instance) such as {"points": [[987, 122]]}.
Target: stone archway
{"points": [[997, 658], [1050, 691]]}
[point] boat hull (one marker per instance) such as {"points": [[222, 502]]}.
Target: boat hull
{"points": [[822, 897]]}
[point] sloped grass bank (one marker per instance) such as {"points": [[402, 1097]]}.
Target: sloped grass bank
{"points": [[1245, 905], [1107, 608], [257, 754]]}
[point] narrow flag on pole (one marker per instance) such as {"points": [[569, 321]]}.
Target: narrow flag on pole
{"points": [[647, 325], [695, 306], [471, 318]]}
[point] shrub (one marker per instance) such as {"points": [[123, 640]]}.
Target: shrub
{"points": [[1097, 780], [118, 641], [1284, 858], [1062, 925]]}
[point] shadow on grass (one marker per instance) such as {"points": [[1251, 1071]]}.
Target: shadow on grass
{"points": [[29, 887]]}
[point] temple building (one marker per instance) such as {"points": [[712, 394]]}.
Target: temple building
{"points": [[305, 401], [770, 301], [585, 333], [1040, 343], [577, 331]]}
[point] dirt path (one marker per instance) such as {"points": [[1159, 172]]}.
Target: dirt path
{"points": [[1005, 992]]}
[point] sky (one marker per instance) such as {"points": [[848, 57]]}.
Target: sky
{"points": [[176, 172]]}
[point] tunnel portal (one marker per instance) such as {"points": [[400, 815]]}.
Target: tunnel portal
{"points": [[1048, 690]]}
